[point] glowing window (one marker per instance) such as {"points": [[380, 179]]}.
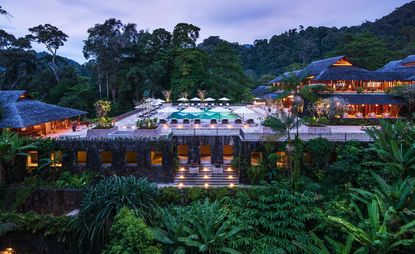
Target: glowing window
{"points": [[106, 157], [32, 159], [282, 161], [255, 158], [131, 157], [56, 159], [156, 158], [81, 157]]}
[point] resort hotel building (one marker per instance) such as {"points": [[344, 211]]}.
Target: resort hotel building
{"points": [[203, 141]]}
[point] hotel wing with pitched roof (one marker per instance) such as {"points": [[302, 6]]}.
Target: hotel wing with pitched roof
{"points": [[366, 91]]}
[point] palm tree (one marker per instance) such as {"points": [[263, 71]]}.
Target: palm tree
{"points": [[167, 95], [11, 146], [375, 233]]}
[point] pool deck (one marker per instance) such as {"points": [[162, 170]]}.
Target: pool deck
{"points": [[249, 132]]}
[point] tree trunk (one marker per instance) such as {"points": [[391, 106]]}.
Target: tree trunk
{"points": [[54, 69], [107, 83]]}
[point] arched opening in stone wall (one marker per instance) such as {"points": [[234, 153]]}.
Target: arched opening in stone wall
{"points": [[256, 158], [32, 160], [205, 154], [106, 158], [156, 158], [56, 158], [183, 153], [131, 158], [227, 154], [81, 157]]}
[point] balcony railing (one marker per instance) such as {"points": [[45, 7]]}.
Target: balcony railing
{"points": [[335, 137]]}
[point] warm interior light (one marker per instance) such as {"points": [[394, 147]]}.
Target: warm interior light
{"points": [[181, 185], [206, 169], [229, 169], [206, 177], [230, 177], [231, 185], [206, 185], [182, 169], [181, 177]]}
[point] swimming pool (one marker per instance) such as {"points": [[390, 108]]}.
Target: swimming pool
{"points": [[206, 114]]}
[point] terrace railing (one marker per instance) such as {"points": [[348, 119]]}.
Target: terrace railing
{"points": [[335, 137], [205, 131]]}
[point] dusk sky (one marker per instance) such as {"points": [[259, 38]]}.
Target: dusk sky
{"points": [[240, 21]]}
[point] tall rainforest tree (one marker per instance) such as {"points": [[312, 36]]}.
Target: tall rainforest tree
{"points": [[52, 38], [105, 45], [227, 77], [364, 50], [185, 35]]}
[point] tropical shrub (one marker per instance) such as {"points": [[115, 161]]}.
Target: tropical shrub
{"points": [[271, 218], [199, 228], [11, 146], [400, 195], [394, 143], [103, 107], [101, 202], [34, 223], [129, 235], [319, 246], [377, 233], [320, 151], [147, 123]]}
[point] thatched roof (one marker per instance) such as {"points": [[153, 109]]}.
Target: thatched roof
{"points": [[260, 90], [20, 110], [398, 67], [408, 59], [284, 75], [316, 67], [356, 73], [371, 99], [275, 95]]}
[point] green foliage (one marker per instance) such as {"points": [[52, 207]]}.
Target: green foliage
{"points": [[394, 145], [34, 223], [68, 180], [101, 202], [376, 233], [147, 123], [130, 234], [349, 167], [271, 217], [364, 49], [11, 146], [400, 195], [202, 227], [319, 246], [320, 152]]}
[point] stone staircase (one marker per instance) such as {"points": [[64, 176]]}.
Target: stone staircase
{"points": [[206, 177]]}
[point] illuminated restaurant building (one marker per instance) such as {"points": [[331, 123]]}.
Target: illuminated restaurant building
{"points": [[27, 116], [367, 92]]}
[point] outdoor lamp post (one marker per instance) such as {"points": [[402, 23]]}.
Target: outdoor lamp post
{"points": [[298, 104]]}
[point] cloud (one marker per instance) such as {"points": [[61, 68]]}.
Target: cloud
{"points": [[235, 20]]}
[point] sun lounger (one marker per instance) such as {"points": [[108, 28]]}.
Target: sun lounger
{"points": [[238, 121], [250, 121], [213, 121], [197, 121], [174, 121], [186, 121], [225, 121]]}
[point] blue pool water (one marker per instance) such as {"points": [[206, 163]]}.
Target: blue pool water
{"points": [[206, 114]]}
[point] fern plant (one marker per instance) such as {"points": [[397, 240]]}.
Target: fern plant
{"points": [[318, 246], [271, 218], [199, 228]]}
